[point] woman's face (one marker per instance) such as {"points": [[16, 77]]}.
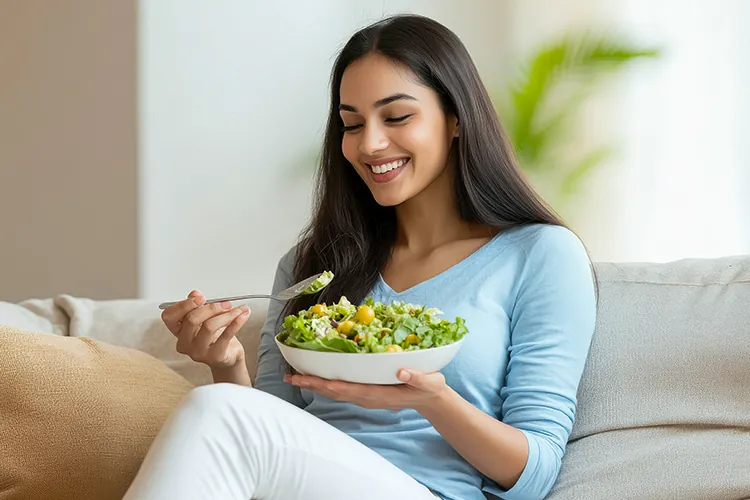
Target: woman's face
{"points": [[396, 134]]}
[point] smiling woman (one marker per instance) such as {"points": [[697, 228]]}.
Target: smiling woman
{"points": [[393, 137], [420, 201]]}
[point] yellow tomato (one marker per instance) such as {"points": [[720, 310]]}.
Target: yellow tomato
{"points": [[393, 348], [318, 309], [412, 339], [346, 327], [364, 315]]}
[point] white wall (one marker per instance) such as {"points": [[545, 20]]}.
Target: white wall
{"points": [[233, 97], [678, 186], [685, 132]]}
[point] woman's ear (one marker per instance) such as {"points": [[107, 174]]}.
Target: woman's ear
{"points": [[453, 125]]}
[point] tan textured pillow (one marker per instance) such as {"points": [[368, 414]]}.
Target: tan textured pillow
{"points": [[77, 416]]}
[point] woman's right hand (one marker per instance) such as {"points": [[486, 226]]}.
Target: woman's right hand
{"points": [[206, 332]]}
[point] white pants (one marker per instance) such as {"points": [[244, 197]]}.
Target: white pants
{"points": [[230, 442]]}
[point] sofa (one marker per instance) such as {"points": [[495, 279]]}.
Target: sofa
{"points": [[663, 406]]}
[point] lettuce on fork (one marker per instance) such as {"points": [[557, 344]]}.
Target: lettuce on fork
{"points": [[373, 327], [320, 283]]}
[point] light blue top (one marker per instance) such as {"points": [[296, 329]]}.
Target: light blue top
{"points": [[529, 303]]}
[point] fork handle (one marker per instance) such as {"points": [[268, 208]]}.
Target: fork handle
{"points": [[228, 299]]}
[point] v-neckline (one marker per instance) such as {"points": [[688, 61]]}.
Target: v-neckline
{"points": [[441, 275]]}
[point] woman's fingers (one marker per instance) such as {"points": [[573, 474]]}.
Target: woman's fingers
{"points": [[192, 322], [173, 315], [221, 344], [212, 328], [206, 332]]}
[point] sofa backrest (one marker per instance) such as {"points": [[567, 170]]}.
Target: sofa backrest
{"points": [[128, 323], [664, 403]]}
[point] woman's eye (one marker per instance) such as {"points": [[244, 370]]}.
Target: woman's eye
{"points": [[397, 119]]}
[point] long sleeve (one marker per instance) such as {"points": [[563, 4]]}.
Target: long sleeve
{"points": [[552, 323], [270, 373]]}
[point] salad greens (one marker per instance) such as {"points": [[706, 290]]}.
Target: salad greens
{"points": [[320, 283], [373, 327]]}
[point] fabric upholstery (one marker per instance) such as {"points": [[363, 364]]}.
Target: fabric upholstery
{"points": [[664, 403]]}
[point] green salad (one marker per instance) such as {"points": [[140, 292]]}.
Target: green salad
{"points": [[320, 283], [373, 327]]}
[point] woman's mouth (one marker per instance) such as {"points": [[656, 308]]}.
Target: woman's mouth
{"points": [[385, 172]]}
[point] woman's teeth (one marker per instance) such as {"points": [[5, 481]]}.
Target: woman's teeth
{"points": [[387, 167]]}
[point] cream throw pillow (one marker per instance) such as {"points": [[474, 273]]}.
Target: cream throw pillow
{"points": [[77, 416]]}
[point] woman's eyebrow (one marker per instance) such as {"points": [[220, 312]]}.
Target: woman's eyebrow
{"points": [[380, 102]]}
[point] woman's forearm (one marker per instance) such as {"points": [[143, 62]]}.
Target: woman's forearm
{"points": [[495, 449]]}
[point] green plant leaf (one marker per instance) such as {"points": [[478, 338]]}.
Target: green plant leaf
{"points": [[554, 130], [583, 169], [540, 105]]}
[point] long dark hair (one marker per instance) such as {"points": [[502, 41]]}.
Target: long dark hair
{"points": [[350, 234]]}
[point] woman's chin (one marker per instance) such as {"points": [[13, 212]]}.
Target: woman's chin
{"points": [[388, 199], [388, 202]]}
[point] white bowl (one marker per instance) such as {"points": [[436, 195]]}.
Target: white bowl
{"points": [[367, 368]]}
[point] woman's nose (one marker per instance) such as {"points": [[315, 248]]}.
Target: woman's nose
{"points": [[373, 140]]}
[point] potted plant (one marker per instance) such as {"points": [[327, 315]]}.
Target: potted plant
{"points": [[541, 105]]}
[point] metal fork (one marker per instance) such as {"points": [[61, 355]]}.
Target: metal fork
{"points": [[293, 291]]}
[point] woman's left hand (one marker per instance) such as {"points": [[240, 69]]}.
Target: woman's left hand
{"points": [[419, 391]]}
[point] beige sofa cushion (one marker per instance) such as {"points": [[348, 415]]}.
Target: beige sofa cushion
{"points": [[77, 416], [129, 323], [664, 403], [138, 324], [35, 315]]}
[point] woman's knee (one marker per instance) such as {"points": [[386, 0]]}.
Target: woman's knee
{"points": [[232, 404], [216, 398]]}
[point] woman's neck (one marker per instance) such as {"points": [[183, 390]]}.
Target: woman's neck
{"points": [[431, 218]]}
